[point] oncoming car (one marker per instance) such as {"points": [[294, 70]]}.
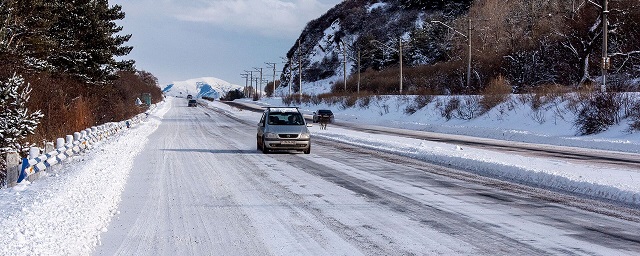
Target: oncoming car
{"points": [[283, 128], [192, 103]]}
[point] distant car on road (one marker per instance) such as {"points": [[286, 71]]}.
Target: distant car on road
{"points": [[283, 128], [326, 114], [189, 96], [192, 103]]}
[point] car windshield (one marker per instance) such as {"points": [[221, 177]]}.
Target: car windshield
{"points": [[324, 112], [285, 118]]}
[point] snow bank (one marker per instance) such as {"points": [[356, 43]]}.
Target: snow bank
{"points": [[64, 212]]}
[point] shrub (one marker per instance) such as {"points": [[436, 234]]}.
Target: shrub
{"points": [[419, 102], [452, 105], [364, 101], [232, 95], [349, 101], [634, 115], [287, 100], [598, 114], [381, 103], [495, 93], [315, 100], [469, 108]]}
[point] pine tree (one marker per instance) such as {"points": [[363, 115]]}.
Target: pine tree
{"points": [[23, 27], [88, 41], [16, 122], [74, 37]]}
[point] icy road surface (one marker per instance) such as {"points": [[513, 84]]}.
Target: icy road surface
{"points": [[200, 187]]}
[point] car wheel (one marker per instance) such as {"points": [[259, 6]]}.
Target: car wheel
{"points": [[265, 150]]}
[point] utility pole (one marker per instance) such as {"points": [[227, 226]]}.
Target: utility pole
{"points": [[273, 93], [400, 50], [256, 89], [344, 65], [344, 53], [468, 37], [469, 55], [606, 61], [300, 70], [250, 81], [358, 92], [246, 81], [260, 93], [605, 50]]}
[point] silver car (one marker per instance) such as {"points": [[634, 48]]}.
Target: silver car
{"points": [[283, 128]]}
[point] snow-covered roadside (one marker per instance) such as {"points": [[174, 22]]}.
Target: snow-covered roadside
{"points": [[64, 212], [553, 126], [620, 185], [596, 181]]}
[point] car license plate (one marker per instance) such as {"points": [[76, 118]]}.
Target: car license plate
{"points": [[288, 142]]}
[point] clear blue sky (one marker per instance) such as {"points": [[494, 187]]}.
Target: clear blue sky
{"points": [[178, 40]]}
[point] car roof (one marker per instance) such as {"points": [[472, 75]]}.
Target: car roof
{"points": [[282, 109]]}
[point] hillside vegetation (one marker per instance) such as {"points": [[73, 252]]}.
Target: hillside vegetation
{"points": [[528, 44], [60, 70], [545, 54], [67, 52]]}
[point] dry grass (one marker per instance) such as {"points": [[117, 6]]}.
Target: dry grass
{"points": [[497, 92], [69, 105]]}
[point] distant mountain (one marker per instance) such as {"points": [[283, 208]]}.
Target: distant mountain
{"points": [[200, 87]]}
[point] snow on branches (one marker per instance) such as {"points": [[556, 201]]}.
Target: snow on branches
{"points": [[16, 122]]}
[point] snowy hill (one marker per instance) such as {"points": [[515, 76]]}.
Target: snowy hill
{"points": [[200, 87]]}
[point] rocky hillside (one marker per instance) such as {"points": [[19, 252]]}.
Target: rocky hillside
{"points": [[530, 43]]}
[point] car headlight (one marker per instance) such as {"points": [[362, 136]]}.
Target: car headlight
{"points": [[270, 135], [305, 136]]}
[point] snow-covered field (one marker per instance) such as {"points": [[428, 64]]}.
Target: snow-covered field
{"points": [[66, 211]]}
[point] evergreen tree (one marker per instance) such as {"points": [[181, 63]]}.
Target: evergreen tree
{"points": [[16, 122], [23, 34], [88, 41], [75, 37]]}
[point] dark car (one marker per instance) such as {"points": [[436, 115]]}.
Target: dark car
{"points": [[189, 96], [192, 103], [325, 114]]}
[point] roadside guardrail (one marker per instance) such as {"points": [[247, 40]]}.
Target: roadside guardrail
{"points": [[38, 159]]}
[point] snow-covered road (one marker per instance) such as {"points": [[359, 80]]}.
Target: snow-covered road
{"points": [[200, 187], [189, 181]]}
